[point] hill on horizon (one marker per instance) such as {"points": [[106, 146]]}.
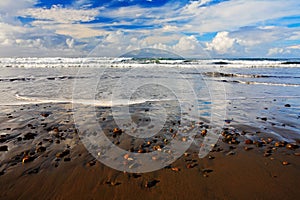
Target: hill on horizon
{"points": [[151, 53]]}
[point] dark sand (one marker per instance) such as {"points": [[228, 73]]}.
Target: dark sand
{"points": [[228, 172]]}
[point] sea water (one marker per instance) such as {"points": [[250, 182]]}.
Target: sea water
{"points": [[239, 91]]}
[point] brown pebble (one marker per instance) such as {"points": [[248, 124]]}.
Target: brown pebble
{"points": [[126, 156], [248, 141], [291, 146], [67, 159], [29, 136], [117, 131], [55, 129], [247, 148], [46, 114], [40, 149], [285, 163], [186, 154], [4, 148], [297, 154], [258, 144], [141, 151], [91, 163], [112, 183], [154, 158], [63, 154], [204, 132], [191, 165], [280, 144], [27, 159], [176, 169], [230, 153], [266, 154], [152, 183], [270, 140]]}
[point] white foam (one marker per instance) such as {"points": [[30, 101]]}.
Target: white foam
{"points": [[96, 62], [93, 102]]}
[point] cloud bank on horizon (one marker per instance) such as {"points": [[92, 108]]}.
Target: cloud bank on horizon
{"points": [[191, 28]]}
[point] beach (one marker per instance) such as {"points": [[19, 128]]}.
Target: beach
{"points": [[229, 171], [44, 125]]}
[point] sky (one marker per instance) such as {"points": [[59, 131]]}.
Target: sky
{"points": [[193, 29]]}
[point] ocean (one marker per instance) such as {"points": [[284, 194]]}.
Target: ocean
{"points": [[260, 93]]}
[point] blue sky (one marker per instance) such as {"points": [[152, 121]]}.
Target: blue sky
{"points": [[204, 28]]}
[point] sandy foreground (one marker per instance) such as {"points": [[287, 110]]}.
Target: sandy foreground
{"points": [[42, 157]]}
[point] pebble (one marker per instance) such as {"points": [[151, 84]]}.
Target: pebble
{"points": [[29, 136], [280, 144], [285, 163], [287, 105], [230, 153], [248, 148], [154, 158], [141, 151], [91, 163], [27, 159], [204, 132], [291, 146], [248, 141], [191, 165], [63, 154], [176, 169], [112, 183], [297, 154], [152, 183], [264, 118], [126, 156], [4, 148], [206, 170], [40, 149], [186, 154], [258, 144], [117, 131], [45, 114], [266, 154]]}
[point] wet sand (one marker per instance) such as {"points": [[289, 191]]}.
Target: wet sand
{"points": [[43, 158]]}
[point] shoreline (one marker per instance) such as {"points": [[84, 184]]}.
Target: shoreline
{"points": [[59, 167]]}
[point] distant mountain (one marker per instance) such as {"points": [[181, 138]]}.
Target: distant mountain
{"points": [[151, 53]]}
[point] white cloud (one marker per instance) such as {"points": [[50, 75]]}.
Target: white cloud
{"points": [[238, 13], [186, 43], [222, 43], [278, 51], [295, 35], [294, 47], [77, 31], [70, 42], [164, 39], [61, 15], [194, 6], [12, 6]]}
